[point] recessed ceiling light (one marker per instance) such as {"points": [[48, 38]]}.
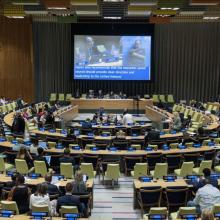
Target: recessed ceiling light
{"points": [[143, 2], [57, 8], [211, 18], [113, 0], [175, 9], [116, 18], [14, 16], [87, 13]]}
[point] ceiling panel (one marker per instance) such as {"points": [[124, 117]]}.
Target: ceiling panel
{"points": [[110, 10]]}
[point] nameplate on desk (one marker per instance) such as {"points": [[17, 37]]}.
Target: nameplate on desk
{"points": [[105, 134], [6, 213], [181, 147], [71, 216], [162, 133], [14, 142], [90, 134], [145, 179], [197, 145], [211, 143], [105, 124], [41, 129], [148, 149], [134, 135], [94, 149], [63, 132], [39, 215], [2, 139], [27, 142], [189, 216], [190, 179], [59, 146], [34, 175], [157, 216], [173, 132], [113, 149], [169, 178], [131, 149], [76, 148], [130, 124], [10, 173], [165, 147], [215, 176]]}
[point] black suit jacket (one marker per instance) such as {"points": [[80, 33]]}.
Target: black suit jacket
{"points": [[67, 160], [52, 189], [69, 200]]}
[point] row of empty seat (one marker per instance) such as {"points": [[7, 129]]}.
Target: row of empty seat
{"points": [[61, 97]]}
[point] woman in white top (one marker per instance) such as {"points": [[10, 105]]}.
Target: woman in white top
{"points": [[40, 197]]}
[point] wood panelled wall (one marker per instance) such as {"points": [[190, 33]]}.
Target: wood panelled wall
{"points": [[16, 59]]}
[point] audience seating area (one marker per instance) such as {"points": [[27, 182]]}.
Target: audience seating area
{"points": [[105, 158]]}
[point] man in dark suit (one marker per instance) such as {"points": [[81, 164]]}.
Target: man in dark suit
{"points": [[69, 200], [51, 188], [66, 158]]}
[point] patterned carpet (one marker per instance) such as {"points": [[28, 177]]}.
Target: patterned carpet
{"points": [[114, 203]]}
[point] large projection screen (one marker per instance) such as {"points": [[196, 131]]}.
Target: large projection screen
{"points": [[99, 57]]}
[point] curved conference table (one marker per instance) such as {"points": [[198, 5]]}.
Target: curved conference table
{"points": [[66, 113], [8, 146]]}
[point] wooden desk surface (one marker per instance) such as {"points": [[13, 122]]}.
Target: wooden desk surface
{"points": [[140, 137], [47, 133], [9, 145], [179, 182], [34, 182], [110, 103], [112, 126]]}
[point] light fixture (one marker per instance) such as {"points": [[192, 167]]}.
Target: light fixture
{"points": [[210, 18], [15, 16], [87, 12], [143, 2], [175, 9], [113, 0], [113, 18], [56, 8]]}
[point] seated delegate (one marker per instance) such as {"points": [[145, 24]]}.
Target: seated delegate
{"points": [[70, 200], [20, 194], [79, 186], [206, 197]]}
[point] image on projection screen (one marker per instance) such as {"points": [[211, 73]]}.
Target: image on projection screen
{"points": [[112, 57]]}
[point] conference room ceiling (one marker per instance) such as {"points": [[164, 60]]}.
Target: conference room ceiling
{"points": [[147, 11]]}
